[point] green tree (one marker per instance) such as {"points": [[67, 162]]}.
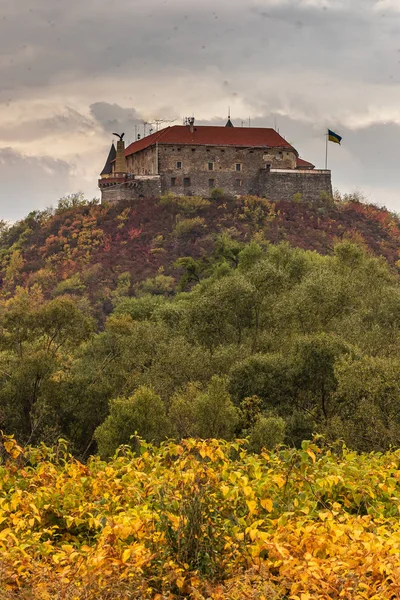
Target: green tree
{"points": [[267, 432], [368, 397], [221, 311], [268, 377], [142, 413], [314, 359], [216, 416], [36, 346], [182, 412]]}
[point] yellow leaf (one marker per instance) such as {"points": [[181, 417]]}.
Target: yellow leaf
{"points": [[267, 504], [311, 454], [279, 480], [180, 582], [247, 490], [8, 446], [252, 505], [126, 554], [4, 533], [225, 489], [253, 533], [12, 448]]}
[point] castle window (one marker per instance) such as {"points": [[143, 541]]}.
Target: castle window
{"points": [[211, 183], [173, 181], [238, 167], [222, 150], [193, 149], [211, 166], [207, 149], [239, 182], [179, 164], [186, 181]]}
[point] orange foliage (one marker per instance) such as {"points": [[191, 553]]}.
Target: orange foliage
{"points": [[200, 520]]}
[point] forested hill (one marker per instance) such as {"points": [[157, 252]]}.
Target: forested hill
{"points": [[89, 250], [154, 317]]}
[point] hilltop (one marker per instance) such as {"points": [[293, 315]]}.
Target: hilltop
{"points": [[87, 249]]}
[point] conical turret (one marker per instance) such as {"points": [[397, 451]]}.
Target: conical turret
{"points": [[108, 166]]}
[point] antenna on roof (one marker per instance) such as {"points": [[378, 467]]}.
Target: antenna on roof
{"points": [[249, 121], [158, 122]]}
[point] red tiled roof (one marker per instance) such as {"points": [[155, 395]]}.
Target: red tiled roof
{"points": [[304, 164], [246, 137]]}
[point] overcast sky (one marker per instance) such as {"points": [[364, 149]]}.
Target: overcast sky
{"points": [[73, 72]]}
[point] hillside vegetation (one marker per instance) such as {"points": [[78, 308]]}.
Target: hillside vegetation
{"points": [[200, 520], [181, 317], [85, 249]]}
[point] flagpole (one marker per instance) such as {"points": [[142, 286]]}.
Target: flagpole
{"points": [[326, 152]]}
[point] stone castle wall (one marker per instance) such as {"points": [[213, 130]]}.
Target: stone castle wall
{"points": [[224, 160], [143, 163], [283, 185], [129, 188], [275, 185]]}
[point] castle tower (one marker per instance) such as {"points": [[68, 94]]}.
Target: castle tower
{"points": [[120, 161], [229, 122]]}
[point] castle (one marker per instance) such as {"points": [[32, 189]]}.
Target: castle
{"points": [[192, 159]]}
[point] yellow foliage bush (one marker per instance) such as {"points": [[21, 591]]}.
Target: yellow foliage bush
{"points": [[199, 519]]}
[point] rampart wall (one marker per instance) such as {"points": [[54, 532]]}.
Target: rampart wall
{"points": [[114, 190], [283, 185], [273, 184]]}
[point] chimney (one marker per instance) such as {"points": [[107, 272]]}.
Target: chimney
{"points": [[120, 161], [191, 124]]}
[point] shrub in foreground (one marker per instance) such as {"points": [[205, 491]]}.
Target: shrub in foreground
{"points": [[199, 519]]}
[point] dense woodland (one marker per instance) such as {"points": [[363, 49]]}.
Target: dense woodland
{"points": [[184, 317]]}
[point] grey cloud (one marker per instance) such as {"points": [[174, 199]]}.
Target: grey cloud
{"points": [[75, 39], [29, 182], [115, 118], [65, 122]]}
